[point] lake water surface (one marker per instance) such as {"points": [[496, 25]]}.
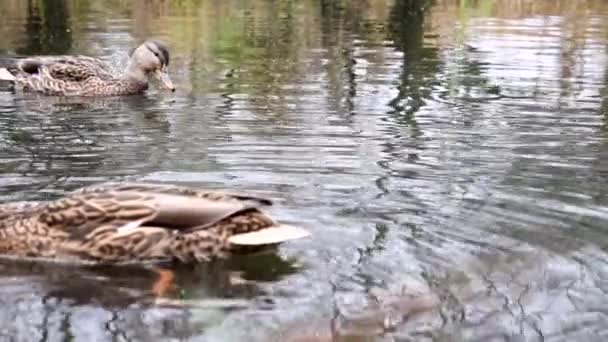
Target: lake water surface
{"points": [[450, 159]]}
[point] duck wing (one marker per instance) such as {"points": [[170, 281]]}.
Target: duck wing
{"points": [[124, 207], [213, 195], [64, 68]]}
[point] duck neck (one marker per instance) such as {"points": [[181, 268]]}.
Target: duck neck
{"points": [[134, 73]]}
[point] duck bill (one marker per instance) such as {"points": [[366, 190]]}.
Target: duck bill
{"points": [[165, 81]]}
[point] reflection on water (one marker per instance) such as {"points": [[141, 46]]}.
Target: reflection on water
{"points": [[47, 28], [449, 159], [63, 295]]}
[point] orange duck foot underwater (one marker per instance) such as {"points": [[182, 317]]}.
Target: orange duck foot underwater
{"points": [[121, 223], [88, 76]]}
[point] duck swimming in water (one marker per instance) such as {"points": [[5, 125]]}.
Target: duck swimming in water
{"points": [[88, 76], [125, 223]]}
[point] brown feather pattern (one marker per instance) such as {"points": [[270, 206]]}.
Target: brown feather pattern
{"points": [[71, 81], [131, 223]]}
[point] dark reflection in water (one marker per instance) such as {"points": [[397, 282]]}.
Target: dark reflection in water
{"points": [[122, 292], [233, 277], [448, 157], [47, 28]]}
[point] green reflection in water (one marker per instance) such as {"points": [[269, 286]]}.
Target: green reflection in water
{"points": [[47, 28]]}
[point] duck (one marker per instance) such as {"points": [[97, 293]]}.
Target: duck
{"points": [[88, 76], [140, 223]]}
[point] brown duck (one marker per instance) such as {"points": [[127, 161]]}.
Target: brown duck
{"points": [[119, 223], [88, 76]]}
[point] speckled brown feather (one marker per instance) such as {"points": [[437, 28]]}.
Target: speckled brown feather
{"points": [[125, 223], [70, 80], [67, 68]]}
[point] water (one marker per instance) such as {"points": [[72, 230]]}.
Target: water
{"points": [[449, 160]]}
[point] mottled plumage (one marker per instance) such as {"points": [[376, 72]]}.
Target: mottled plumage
{"points": [[87, 76], [136, 223]]}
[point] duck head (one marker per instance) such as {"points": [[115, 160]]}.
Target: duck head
{"points": [[150, 59]]}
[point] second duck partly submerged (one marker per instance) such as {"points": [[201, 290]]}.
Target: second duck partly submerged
{"points": [[139, 223], [87, 76]]}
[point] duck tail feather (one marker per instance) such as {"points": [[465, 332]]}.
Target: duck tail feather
{"points": [[5, 75]]}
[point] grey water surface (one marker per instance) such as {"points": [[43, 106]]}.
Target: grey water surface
{"points": [[449, 158]]}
